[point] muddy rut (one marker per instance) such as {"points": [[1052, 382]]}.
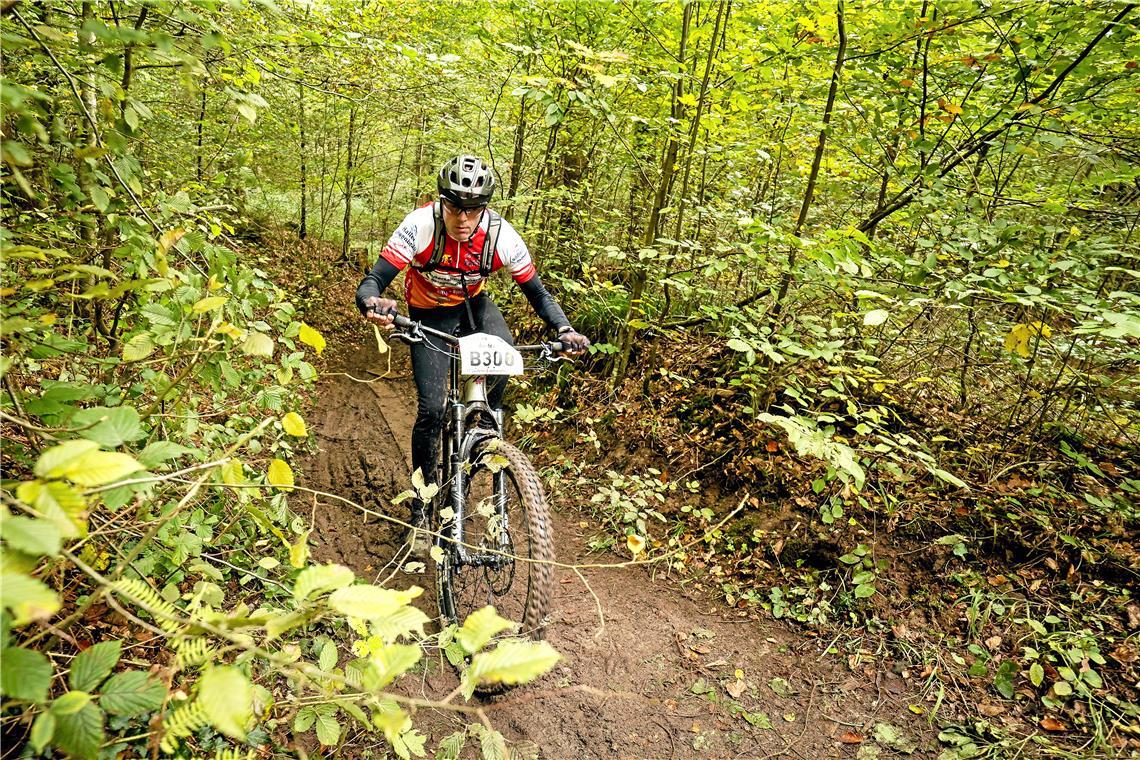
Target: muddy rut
{"points": [[664, 675]]}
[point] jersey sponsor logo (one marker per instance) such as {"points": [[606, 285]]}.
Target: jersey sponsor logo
{"points": [[407, 235]]}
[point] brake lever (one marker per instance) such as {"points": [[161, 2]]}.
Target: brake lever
{"points": [[413, 334]]}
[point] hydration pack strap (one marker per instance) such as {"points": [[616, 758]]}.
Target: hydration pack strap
{"points": [[439, 242], [494, 224]]}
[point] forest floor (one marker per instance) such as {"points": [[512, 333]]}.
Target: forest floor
{"points": [[693, 658], [649, 671]]}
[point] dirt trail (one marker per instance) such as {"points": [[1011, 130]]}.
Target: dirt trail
{"points": [[666, 676]]}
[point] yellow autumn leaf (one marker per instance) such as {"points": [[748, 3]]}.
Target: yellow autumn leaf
{"points": [[293, 424], [169, 239], [280, 474], [225, 328], [213, 284], [311, 337], [232, 474], [208, 304], [299, 552], [635, 544]]}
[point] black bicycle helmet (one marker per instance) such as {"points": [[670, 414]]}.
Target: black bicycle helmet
{"points": [[466, 181]]}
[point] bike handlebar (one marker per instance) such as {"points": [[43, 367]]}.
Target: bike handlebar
{"points": [[406, 323]]}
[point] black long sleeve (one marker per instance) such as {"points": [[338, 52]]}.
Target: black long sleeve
{"points": [[542, 302], [375, 282]]}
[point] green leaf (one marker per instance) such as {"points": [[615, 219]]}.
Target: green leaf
{"points": [[160, 451], [864, 590], [94, 664], [208, 304], [328, 729], [227, 697], [480, 627], [160, 315], [1036, 674], [393, 660], [97, 468], [24, 674], [354, 710], [371, 602], [28, 598], [736, 344], [875, 317], [80, 733], [400, 623], [513, 661], [38, 537], [328, 656], [70, 703], [451, 746], [120, 425], [55, 461], [42, 731], [138, 347], [100, 198], [304, 720], [132, 693], [321, 578], [947, 477], [258, 344], [58, 502]]}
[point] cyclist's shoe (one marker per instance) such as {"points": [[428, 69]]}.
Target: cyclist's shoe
{"points": [[417, 535]]}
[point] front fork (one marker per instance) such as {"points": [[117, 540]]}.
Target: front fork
{"points": [[458, 450]]}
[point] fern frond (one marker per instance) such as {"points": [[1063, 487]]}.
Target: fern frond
{"points": [[192, 652], [232, 753], [182, 723], [167, 615]]}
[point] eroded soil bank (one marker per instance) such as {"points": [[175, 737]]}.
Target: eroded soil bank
{"points": [[649, 671]]}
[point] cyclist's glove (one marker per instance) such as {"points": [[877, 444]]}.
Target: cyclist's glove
{"points": [[573, 341]]}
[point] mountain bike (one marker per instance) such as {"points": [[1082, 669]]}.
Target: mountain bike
{"points": [[494, 538]]}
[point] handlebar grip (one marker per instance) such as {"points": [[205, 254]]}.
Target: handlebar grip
{"points": [[402, 321], [556, 346]]}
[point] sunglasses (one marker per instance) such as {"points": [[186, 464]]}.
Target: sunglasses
{"points": [[464, 212]]}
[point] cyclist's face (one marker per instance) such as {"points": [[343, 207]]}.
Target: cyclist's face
{"points": [[461, 223]]}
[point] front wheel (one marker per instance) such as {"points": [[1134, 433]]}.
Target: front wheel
{"points": [[499, 555]]}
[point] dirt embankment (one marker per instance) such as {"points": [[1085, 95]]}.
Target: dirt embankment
{"points": [[649, 672]]}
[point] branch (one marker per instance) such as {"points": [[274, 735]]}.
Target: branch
{"points": [[973, 145]]}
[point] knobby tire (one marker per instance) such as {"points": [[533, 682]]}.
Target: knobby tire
{"points": [[521, 592]]}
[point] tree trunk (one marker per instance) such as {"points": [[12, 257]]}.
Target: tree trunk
{"points": [[668, 164], [695, 127], [517, 160], [348, 180], [817, 159], [201, 121], [303, 231]]}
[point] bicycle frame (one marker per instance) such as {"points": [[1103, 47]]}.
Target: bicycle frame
{"points": [[465, 427]]}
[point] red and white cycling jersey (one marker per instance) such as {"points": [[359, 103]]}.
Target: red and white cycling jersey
{"points": [[413, 241]]}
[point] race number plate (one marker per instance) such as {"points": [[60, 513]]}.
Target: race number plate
{"points": [[484, 354]]}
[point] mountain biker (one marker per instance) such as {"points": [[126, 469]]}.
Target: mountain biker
{"points": [[452, 246]]}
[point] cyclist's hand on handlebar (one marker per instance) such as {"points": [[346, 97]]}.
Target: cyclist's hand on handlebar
{"points": [[573, 342], [380, 311]]}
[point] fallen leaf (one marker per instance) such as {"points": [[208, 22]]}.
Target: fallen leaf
{"points": [[850, 737], [735, 688], [1049, 723]]}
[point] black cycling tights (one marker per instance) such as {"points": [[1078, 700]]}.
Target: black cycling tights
{"points": [[429, 366]]}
